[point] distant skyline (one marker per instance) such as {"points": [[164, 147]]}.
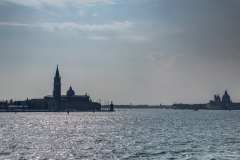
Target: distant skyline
{"points": [[138, 51]]}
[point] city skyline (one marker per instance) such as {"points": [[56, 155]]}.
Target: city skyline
{"points": [[57, 88], [147, 52]]}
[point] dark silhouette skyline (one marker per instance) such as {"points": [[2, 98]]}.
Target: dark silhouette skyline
{"points": [[56, 102]]}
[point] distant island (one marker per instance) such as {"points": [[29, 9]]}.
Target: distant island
{"points": [[224, 103], [77, 103], [56, 102]]}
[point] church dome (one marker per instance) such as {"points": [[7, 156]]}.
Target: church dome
{"points": [[70, 92], [226, 99]]}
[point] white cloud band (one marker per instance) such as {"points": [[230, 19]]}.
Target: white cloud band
{"points": [[56, 3], [72, 26]]}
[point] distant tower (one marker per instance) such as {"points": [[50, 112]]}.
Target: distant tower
{"points": [[111, 106], [217, 99], [57, 90]]}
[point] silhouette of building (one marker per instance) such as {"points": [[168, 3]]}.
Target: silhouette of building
{"points": [[111, 106], [226, 99], [57, 90], [217, 99], [55, 102], [70, 92], [70, 101]]}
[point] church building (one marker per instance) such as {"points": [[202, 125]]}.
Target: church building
{"points": [[70, 101]]}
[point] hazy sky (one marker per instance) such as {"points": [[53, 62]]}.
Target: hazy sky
{"points": [[139, 51]]}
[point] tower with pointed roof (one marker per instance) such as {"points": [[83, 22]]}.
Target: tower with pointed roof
{"points": [[57, 90]]}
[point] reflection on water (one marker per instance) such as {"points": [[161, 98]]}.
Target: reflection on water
{"points": [[124, 134]]}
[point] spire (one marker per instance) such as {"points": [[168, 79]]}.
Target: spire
{"points": [[57, 72], [57, 89], [226, 92]]}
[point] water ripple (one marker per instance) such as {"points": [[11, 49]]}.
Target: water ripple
{"points": [[125, 134]]}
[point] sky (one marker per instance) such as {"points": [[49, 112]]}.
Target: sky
{"points": [[128, 51]]}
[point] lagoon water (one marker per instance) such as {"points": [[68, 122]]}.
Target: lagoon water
{"points": [[124, 134]]}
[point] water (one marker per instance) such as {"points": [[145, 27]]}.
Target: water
{"points": [[124, 134]]}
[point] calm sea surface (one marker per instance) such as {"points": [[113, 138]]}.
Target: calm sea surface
{"points": [[124, 134]]}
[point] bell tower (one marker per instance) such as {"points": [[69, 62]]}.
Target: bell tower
{"points": [[57, 90]]}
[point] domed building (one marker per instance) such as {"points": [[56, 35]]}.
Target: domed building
{"points": [[70, 92], [70, 101], [226, 99]]}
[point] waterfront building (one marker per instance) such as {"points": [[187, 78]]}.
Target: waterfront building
{"points": [[217, 99], [70, 101], [56, 102], [226, 99]]}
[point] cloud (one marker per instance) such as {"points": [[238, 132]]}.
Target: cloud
{"points": [[116, 30], [57, 3], [98, 38], [134, 37], [166, 61], [14, 24], [72, 26], [96, 1], [114, 26]]}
